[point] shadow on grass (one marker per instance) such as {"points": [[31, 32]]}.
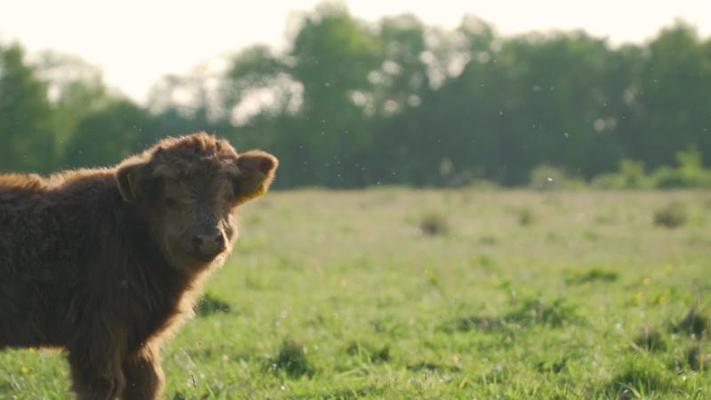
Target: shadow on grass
{"points": [[697, 359], [210, 304], [592, 275], [552, 366], [650, 339], [292, 360], [524, 313], [374, 354], [637, 380], [695, 323]]}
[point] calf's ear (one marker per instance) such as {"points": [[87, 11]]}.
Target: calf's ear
{"points": [[128, 176], [255, 172]]}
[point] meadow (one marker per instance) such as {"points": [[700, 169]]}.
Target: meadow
{"points": [[392, 293]]}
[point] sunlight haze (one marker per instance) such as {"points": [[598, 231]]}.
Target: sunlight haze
{"points": [[137, 42]]}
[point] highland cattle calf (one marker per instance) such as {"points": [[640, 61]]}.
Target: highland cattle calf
{"points": [[103, 262]]}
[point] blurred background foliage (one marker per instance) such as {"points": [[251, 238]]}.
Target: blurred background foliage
{"points": [[350, 103]]}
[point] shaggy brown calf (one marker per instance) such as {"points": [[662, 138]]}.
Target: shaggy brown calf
{"points": [[104, 262]]}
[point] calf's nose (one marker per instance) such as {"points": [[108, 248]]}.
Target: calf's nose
{"points": [[212, 243]]}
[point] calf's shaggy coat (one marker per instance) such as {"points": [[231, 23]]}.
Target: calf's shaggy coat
{"points": [[104, 262]]}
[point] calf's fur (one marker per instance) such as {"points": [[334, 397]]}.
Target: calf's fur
{"points": [[83, 265]]}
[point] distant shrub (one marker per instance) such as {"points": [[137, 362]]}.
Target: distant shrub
{"points": [[483, 185], [525, 217], [607, 181], [434, 224], [671, 216], [546, 177], [689, 173], [669, 178], [630, 175]]}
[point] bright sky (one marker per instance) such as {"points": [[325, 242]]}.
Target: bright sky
{"points": [[136, 42]]}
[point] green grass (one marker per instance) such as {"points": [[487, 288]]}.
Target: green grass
{"points": [[343, 295]]}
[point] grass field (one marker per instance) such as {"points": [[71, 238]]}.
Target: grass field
{"points": [[500, 295]]}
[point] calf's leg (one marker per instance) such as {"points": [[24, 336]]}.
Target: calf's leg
{"points": [[95, 381], [144, 376]]}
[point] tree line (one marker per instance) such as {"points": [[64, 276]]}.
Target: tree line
{"points": [[350, 103]]}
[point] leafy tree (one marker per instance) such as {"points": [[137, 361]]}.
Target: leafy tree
{"points": [[110, 134], [675, 84], [25, 115], [350, 103], [75, 89]]}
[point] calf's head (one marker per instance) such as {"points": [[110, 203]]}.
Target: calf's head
{"points": [[188, 189]]}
